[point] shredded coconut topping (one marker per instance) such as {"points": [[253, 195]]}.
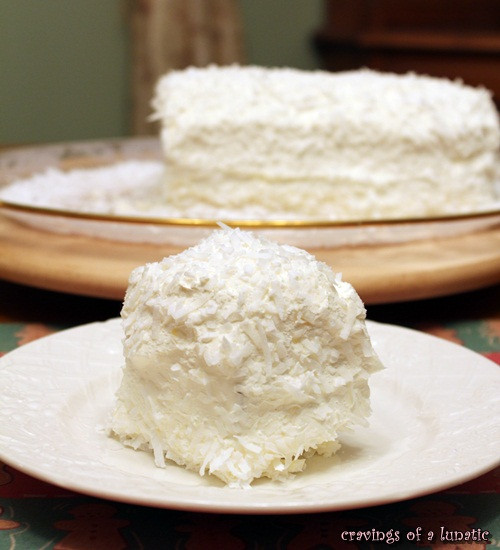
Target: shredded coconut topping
{"points": [[243, 356], [316, 144]]}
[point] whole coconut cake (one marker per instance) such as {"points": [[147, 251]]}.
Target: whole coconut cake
{"points": [[362, 144], [246, 142], [242, 358]]}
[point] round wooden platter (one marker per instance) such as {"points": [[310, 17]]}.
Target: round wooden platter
{"points": [[380, 273]]}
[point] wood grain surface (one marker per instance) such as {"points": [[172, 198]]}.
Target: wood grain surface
{"points": [[381, 274]]}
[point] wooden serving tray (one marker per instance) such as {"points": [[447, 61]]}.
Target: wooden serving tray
{"points": [[380, 273]]}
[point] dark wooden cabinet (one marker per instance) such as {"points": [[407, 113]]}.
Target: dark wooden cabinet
{"points": [[450, 38]]}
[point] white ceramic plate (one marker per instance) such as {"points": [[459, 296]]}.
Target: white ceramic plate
{"points": [[435, 424]]}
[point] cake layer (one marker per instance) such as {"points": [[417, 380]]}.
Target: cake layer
{"points": [[330, 145]]}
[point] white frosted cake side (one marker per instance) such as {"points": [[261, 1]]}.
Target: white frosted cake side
{"points": [[242, 357], [285, 143]]}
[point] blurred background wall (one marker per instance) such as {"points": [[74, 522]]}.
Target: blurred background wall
{"points": [[63, 70], [65, 65]]}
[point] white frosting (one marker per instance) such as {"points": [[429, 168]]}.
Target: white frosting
{"points": [[243, 356], [357, 144]]}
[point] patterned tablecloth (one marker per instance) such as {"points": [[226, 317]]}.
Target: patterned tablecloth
{"points": [[37, 515]]}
